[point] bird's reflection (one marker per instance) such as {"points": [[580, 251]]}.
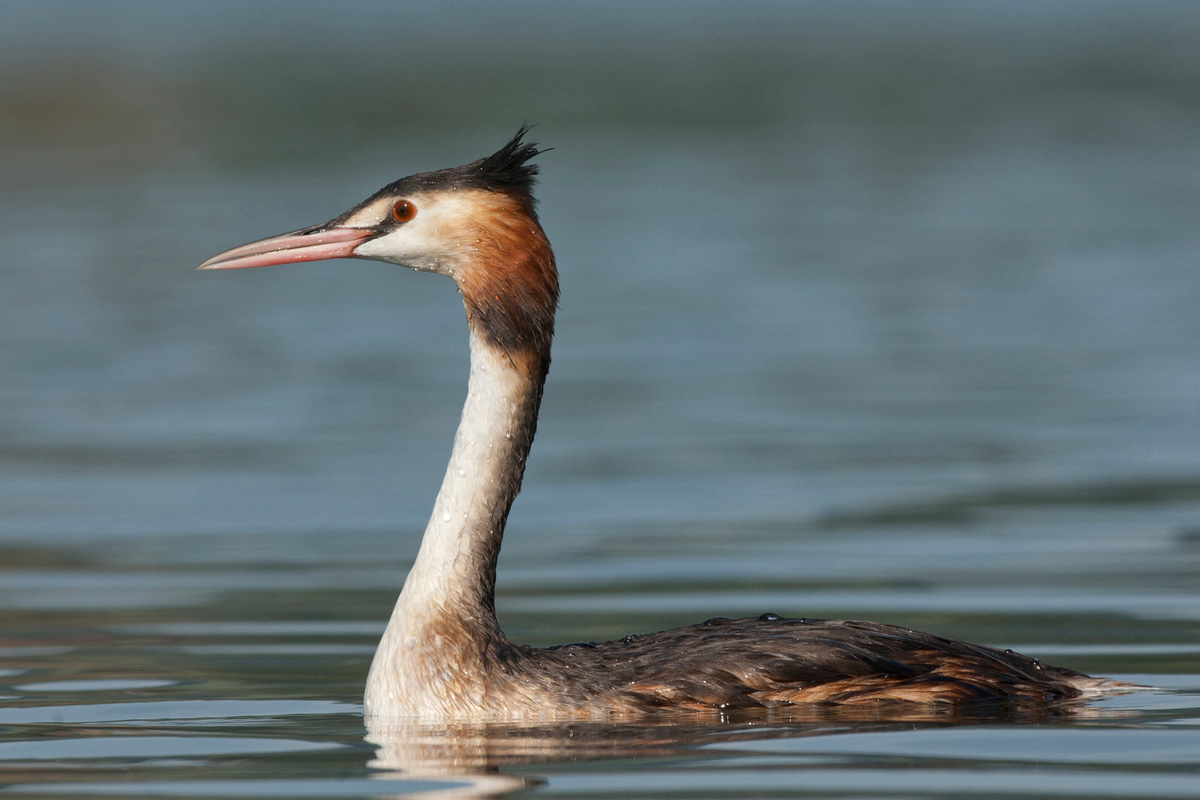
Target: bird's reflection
{"points": [[481, 755]]}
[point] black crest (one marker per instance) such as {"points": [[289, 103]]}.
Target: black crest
{"points": [[505, 170]]}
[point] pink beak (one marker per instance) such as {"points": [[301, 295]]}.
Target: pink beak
{"points": [[291, 248]]}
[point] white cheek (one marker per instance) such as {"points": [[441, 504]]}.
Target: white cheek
{"points": [[432, 242], [409, 246]]}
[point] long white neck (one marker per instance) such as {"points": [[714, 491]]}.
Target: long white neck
{"points": [[457, 560], [445, 621]]}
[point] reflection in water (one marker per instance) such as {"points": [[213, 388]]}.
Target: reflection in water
{"points": [[477, 752]]}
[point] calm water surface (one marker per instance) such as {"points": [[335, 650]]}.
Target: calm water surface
{"points": [[863, 316]]}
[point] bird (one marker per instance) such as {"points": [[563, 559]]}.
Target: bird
{"points": [[443, 655]]}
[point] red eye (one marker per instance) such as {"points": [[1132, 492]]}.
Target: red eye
{"points": [[403, 211]]}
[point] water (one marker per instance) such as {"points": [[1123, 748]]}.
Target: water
{"points": [[866, 314]]}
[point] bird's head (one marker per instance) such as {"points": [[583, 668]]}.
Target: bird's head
{"points": [[475, 224]]}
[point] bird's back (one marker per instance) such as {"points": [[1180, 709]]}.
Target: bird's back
{"points": [[772, 661]]}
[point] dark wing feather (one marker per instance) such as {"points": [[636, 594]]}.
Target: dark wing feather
{"points": [[772, 661]]}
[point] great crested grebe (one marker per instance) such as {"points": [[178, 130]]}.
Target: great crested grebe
{"points": [[443, 654]]}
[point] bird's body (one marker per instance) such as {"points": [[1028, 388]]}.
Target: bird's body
{"points": [[443, 654], [721, 664]]}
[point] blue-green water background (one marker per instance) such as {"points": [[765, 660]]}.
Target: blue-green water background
{"points": [[878, 310]]}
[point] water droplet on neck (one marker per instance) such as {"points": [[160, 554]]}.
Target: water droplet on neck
{"points": [[445, 516]]}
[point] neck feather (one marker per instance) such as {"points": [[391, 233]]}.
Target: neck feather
{"points": [[443, 631], [509, 290], [456, 565]]}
